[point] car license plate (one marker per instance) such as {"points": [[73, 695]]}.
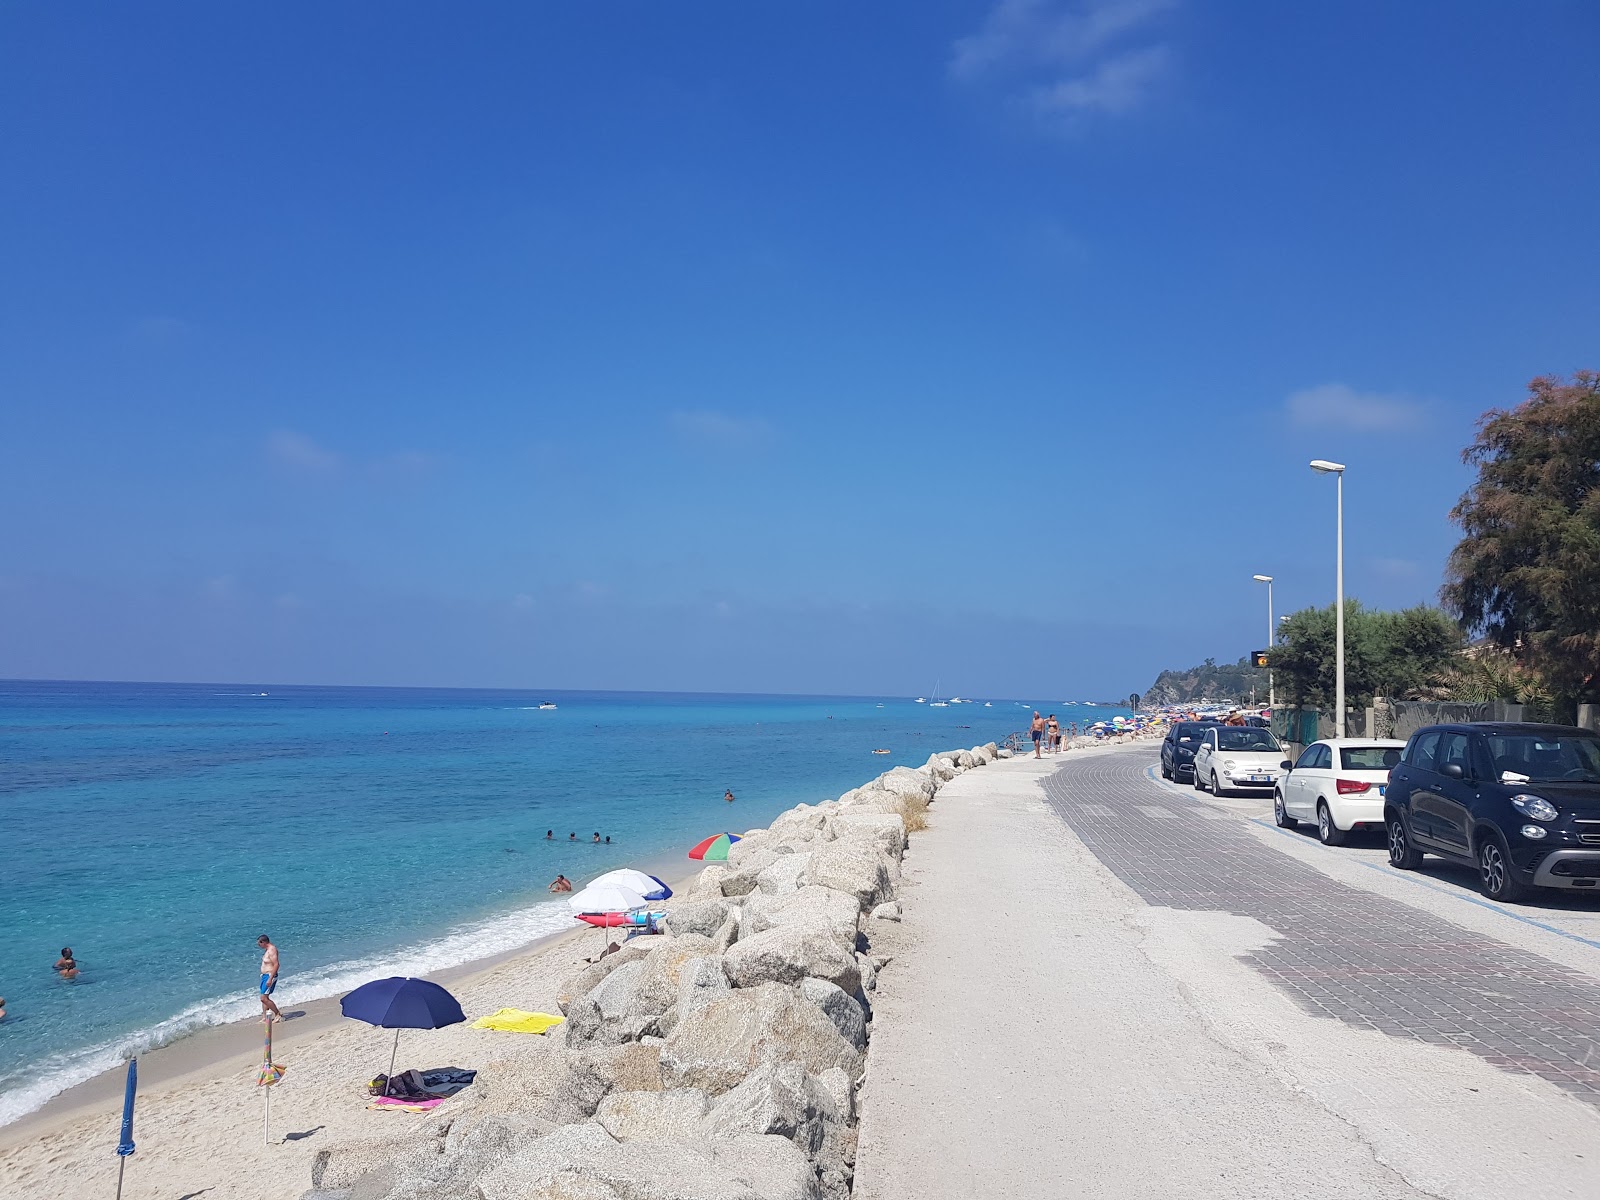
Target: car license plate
{"points": [[1261, 779]]}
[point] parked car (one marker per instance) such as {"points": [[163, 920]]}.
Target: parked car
{"points": [[1520, 802], [1339, 785], [1231, 757], [1178, 747]]}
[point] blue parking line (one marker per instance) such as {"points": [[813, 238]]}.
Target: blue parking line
{"points": [[1410, 877]]}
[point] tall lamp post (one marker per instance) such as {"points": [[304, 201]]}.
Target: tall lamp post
{"points": [[1272, 699], [1324, 467]]}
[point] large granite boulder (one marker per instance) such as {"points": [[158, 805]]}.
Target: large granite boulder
{"points": [[792, 952], [887, 830], [774, 1098], [855, 867], [584, 1162], [593, 1074], [841, 1007], [701, 981], [718, 1044], [704, 917], [590, 977], [908, 781], [611, 1013], [807, 903], [942, 769], [673, 1115], [783, 875]]}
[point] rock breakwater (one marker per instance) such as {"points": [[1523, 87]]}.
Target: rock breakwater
{"points": [[718, 1062]]}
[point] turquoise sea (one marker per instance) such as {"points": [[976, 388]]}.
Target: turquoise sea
{"points": [[157, 829]]}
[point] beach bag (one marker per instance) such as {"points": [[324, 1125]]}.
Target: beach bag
{"points": [[377, 1085]]}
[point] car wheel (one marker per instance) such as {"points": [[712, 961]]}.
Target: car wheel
{"points": [[1166, 771], [1198, 786], [1496, 875], [1403, 856], [1328, 833], [1216, 788], [1280, 814]]}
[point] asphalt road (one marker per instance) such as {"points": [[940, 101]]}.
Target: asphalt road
{"points": [[1108, 986]]}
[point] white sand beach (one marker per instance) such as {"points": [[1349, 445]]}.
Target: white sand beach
{"points": [[199, 1117]]}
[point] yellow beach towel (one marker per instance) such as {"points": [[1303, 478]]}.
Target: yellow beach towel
{"points": [[516, 1020]]}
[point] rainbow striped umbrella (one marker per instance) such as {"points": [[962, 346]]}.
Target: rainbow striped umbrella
{"points": [[714, 848]]}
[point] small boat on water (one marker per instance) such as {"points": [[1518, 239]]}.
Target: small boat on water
{"points": [[546, 706], [883, 752], [988, 704]]}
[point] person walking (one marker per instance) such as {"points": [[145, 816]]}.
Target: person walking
{"points": [[1037, 732], [269, 979]]}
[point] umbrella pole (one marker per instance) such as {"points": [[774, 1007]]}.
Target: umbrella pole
{"points": [[390, 1079], [266, 1117], [122, 1165]]}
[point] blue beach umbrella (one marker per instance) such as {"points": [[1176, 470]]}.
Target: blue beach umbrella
{"points": [[125, 1146], [401, 1002]]}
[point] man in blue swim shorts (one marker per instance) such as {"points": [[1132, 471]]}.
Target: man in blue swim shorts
{"points": [[269, 978]]}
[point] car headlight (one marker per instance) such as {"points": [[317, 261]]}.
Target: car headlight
{"points": [[1536, 807]]}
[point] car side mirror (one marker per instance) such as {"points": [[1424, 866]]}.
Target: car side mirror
{"points": [[1286, 765], [1452, 771]]}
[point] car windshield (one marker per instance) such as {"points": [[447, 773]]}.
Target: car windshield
{"points": [[1535, 758], [1189, 733], [1246, 738], [1369, 758]]}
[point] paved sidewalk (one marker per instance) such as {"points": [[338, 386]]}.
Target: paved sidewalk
{"points": [[1050, 1028], [1351, 955]]}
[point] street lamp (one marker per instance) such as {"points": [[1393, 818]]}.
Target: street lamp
{"points": [[1323, 467], [1272, 701]]}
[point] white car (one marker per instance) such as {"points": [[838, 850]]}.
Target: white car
{"points": [[1339, 785], [1237, 756]]}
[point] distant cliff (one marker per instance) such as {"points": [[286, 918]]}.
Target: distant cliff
{"points": [[1231, 681]]}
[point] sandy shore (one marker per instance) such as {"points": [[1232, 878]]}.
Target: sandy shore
{"points": [[199, 1121]]}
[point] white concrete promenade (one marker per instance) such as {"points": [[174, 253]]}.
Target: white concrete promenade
{"points": [[1045, 1033]]}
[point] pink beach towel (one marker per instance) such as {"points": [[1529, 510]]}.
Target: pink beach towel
{"points": [[408, 1105]]}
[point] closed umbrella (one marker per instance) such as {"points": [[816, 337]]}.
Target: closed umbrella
{"points": [[647, 886], [267, 1076], [125, 1145], [715, 848], [401, 1002]]}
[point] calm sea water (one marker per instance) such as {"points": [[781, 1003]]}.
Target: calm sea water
{"points": [[157, 829]]}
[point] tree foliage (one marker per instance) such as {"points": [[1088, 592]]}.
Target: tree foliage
{"points": [[1527, 570], [1395, 654]]}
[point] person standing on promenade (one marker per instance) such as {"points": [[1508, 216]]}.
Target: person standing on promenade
{"points": [[269, 978], [1053, 728], [1037, 732]]}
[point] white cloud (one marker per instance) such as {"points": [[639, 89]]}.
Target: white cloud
{"points": [[721, 430], [1337, 406], [300, 453], [1092, 57], [1118, 85]]}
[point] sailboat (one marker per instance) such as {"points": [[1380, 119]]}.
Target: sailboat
{"points": [[936, 702]]}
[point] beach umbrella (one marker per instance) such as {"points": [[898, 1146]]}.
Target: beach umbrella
{"points": [[401, 1002], [714, 848], [125, 1146], [605, 898], [648, 886], [267, 1076]]}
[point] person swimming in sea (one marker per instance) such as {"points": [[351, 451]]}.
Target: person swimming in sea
{"points": [[596, 839], [561, 884], [728, 795], [549, 835], [66, 966]]}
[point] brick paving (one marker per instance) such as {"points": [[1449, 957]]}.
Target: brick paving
{"points": [[1347, 954]]}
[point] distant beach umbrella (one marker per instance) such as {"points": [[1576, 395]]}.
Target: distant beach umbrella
{"points": [[601, 897], [125, 1146], [648, 886], [401, 1002], [715, 848]]}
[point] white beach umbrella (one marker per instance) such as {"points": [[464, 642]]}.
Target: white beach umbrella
{"points": [[605, 898], [634, 881]]}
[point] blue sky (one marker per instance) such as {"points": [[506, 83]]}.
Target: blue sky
{"points": [[796, 347]]}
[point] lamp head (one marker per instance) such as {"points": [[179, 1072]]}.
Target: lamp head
{"points": [[1262, 578], [1326, 467]]}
